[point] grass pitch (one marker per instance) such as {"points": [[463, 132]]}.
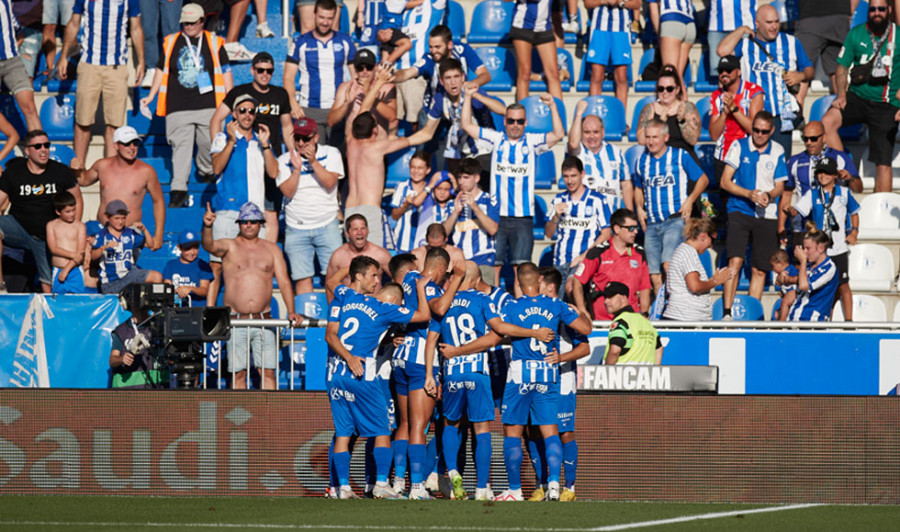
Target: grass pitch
{"points": [[60, 513]]}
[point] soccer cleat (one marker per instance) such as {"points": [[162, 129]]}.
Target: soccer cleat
{"points": [[538, 494], [419, 494], [331, 493], [510, 495], [458, 492], [347, 493], [237, 52], [399, 485], [553, 492], [385, 492], [263, 31], [432, 483], [567, 495], [483, 494]]}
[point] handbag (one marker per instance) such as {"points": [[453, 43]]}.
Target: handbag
{"points": [[863, 73]]}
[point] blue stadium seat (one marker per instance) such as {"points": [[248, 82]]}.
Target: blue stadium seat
{"points": [[163, 168], [564, 60], [10, 110], [501, 64], [584, 79], [155, 127], [744, 308], [546, 257], [631, 156], [498, 119], [58, 117], [56, 85], [156, 260], [491, 20], [177, 220], [706, 261], [545, 171], [706, 154], [312, 305], [706, 81], [775, 309], [636, 114], [571, 37], [345, 18], [241, 73], [703, 107], [456, 21], [817, 111], [398, 167], [62, 153], [540, 217], [539, 116], [610, 109]]}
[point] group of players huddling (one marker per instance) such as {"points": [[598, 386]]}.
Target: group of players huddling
{"points": [[434, 337]]}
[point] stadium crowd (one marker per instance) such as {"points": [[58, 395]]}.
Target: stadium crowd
{"points": [[298, 179]]}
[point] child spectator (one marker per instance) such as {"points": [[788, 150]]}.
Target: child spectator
{"points": [[190, 275], [66, 239], [436, 207], [786, 281], [393, 42], [818, 278], [473, 221], [115, 246], [406, 204]]}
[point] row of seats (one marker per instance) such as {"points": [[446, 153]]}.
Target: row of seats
{"points": [[866, 308]]}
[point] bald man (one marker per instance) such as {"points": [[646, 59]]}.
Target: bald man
{"points": [[436, 237]]}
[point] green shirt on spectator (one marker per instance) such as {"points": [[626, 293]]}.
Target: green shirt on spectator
{"points": [[858, 49]]}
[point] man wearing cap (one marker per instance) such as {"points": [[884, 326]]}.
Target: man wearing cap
{"points": [[192, 77], [322, 58], [248, 264], [189, 274], [124, 177], [308, 176], [733, 106], [632, 338], [370, 86], [103, 68], [29, 184], [117, 248]]}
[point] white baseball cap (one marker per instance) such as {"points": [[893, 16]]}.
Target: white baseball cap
{"points": [[125, 134]]}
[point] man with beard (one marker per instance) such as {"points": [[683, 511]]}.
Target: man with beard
{"points": [[732, 106]]}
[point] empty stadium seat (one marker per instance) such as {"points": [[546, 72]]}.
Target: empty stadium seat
{"points": [[584, 78], [704, 108], [706, 81], [241, 73], [631, 156], [540, 119], [501, 64], [879, 217], [62, 153], [650, 86], [636, 114], [744, 308], [706, 154], [610, 109], [546, 257], [10, 110], [156, 126], [491, 20], [58, 117], [57, 85], [456, 20], [540, 217], [818, 109], [565, 62], [344, 25], [866, 308], [545, 172], [871, 268], [896, 316], [398, 167], [313, 305], [707, 262], [163, 168]]}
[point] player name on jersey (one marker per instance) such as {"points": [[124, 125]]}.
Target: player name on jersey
{"points": [[645, 378]]}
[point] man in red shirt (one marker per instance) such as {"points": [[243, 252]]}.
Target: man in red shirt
{"points": [[618, 259], [732, 108]]}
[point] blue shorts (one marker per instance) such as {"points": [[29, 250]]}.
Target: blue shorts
{"points": [[537, 401], [468, 394], [609, 48], [389, 397], [74, 283], [358, 407], [409, 366], [566, 412], [660, 241]]}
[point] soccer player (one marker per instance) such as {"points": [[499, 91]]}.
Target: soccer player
{"points": [[358, 404]]}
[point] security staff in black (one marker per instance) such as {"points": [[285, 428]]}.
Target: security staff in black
{"points": [[632, 338]]}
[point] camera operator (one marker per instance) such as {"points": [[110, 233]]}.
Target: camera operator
{"points": [[133, 365]]}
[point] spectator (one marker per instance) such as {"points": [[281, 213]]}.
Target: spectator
{"points": [[322, 57], [821, 28], [605, 168], [306, 15], [687, 285], [29, 184], [54, 13], [662, 179], [29, 14], [415, 23], [786, 282], [673, 108], [248, 267], [512, 175], [872, 101], [436, 237], [754, 177], [237, 12], [117, 247], [190, 275], [133, 365], [192, 78], [802, 177], [578, 221], [817, 278], [673, 21], [104, 49], [531, 28], [273, 110], [732, 106], [357, 244], [156, 15], [829, 206], [407, 199], [436, 207], [66, 239], [125, 177], [776, 62], [242, 159], [308, 176], [371, 87], [473, 221], [610, 44], [632, 339], [725, 16], [393, 42], [12, 69], [618, 259]]}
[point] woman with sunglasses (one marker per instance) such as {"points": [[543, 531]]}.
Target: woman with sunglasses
{"points": [[673, 108], [532, 28], [673, 21]]}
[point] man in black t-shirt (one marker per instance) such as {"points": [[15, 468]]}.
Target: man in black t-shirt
{"points": [[29, 183]]}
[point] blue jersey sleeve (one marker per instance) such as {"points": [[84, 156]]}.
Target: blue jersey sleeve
{"points": [[489, 310], [389, 314], [493, 210], [436, 110], [78, 7], [433, 291], [791, 178], [690, 167], [134, 8], [351, 47], [781, 173], [205, 270], [802, 59], [434, 326], [852, 205], [566, 313], [334, 309], [426, 66], [473, 61]]}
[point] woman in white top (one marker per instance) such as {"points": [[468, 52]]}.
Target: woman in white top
{"points": [[687, 284]]}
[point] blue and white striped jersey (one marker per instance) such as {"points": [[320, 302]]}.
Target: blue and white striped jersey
{"points": [[816, 203], [459, 143], [604, 172], [534, 312], [408, 224], [756, 67], [755, 169], [532, 15], [105, 23], [568, 371], [512, 169], [373, 11], [816, 303], [664, 181], [579, 226], [363, 320], [801, 168], [729, 15], [610, 19], [117, 261], [476, 244], [499, 355], [675, 10], [430, 212], [413, 349], [9, 27], [416, 25], [331, 356], [465, 321], [429, 70], [323, 66]]}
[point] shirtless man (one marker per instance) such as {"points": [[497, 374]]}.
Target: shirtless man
{"points": [[123, 176], [357, 244], [372, 89], [248, 264], [436, 237]]}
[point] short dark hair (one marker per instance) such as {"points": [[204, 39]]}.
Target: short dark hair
{"points": [[469, 166], [620, 215], [551, 276], [434, 230], [399, 261], [515, 107], [33, 134], [393, 287], [360, 264], [353, 217], [364, 124], [422, 156], [441, 31], [437, 254], [63, 199], [766, 116], [573, 163], [327, 5], [450, 63], [528, 274], [779, 257]]}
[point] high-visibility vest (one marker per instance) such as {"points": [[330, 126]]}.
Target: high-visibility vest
{"points": [[215, 43], [640, 339]]}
